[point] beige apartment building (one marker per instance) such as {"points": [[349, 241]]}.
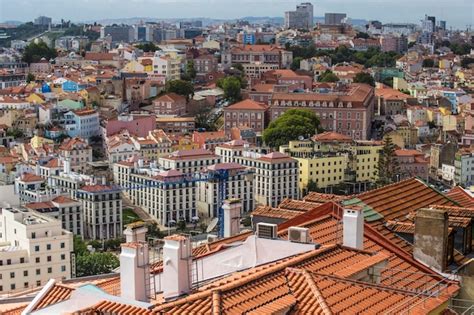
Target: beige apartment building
{"points": [[189, 161], [33, 249]]}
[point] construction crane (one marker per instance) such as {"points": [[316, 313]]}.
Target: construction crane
{"points": [[220, 177]]}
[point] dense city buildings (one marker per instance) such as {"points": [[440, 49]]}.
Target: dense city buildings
{"points": [[244, 165]]}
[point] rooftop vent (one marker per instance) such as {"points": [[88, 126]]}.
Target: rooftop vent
{"points": [[298, 235], [267, 230]]}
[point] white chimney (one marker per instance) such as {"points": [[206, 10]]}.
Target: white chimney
{"points": [[140, 163], [104, 181], [353, 228], [37, 170], [176, 266], [135, 232], [134, 271], [66, 166], [232, 209]]}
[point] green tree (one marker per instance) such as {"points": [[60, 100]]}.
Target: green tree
{"points": [[363, 77], [181, 225], [238, 66], [312, 186], [466, 62], [15, 133], [30, 78], [80, 247], [428, 63], [180, 87], [96, 244], [328, 76], [231, 86], [295, 64], [35, 51], [190, 71], [148, 47], [96, 264], [293, 124], [388, 167], [203, 119]]}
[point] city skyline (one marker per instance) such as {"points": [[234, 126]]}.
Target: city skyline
{"points": [[458, 13]]}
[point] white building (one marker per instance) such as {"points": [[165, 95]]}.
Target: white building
{"points": [[301, 18], [189, 161], [238, 186], [167, 66], [464, 168], [102, 208], [276, 174], [64, 209], [33, 250], [78, 152]]}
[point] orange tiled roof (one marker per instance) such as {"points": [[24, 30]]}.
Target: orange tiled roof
{"points": [[29, 177], [298, 205], [269, 212], [462, 197], [321, 198], [330, 136], [58, 293]]}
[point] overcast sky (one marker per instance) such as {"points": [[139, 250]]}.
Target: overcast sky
{"points": [[457, 13]]}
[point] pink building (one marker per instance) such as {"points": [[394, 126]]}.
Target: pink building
{"points": [[170, 104], [412, 163], [136, 125]]}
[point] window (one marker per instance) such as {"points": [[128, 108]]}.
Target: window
{"points": [[38, 271], [12, 286], [63, 256], [12, 275], [48, 246], [22, 260], [37, 248], [63, 268], [38, 283], [48, 258], [25, 273], [25, 284], [9, 261], [50, 270], [37, 259]]}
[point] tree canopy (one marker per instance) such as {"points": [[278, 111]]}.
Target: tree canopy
{"points": [[373, 57], [293, 124], [95, 264], [231, 86], [328, 76], [180, 87], [35, 51], [428, 63], [148, 47], [363, 77], [295, 64], [388, 167]]}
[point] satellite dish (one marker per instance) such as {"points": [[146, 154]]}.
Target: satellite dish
{"points": [[212, 225]]}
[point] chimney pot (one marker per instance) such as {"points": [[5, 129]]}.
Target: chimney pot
{"points": [[353, 228]]}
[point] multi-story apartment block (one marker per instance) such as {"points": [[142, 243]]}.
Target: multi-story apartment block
{"points": [[166, 66], [346, 109], [464, 168], [170, 104], [189, 161], [154, 146], [176, 125], [259, 54], [34, 248], [78, 152], [246, 113], [329, 159], [276, 174], [239, 186], [301, 18], [64, 209], [102, 208], [120, 147], [165, 195], [27, 185], [81, 123], [412, 163], [205, 64]]}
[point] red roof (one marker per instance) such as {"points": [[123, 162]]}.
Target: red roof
{"points": [[247, 104], [331, 136], [96, 188]]}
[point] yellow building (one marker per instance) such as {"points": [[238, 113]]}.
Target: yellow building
{"points": [[185, 143], [35, 99], [37, 141], [329, 159], [404, 136]]}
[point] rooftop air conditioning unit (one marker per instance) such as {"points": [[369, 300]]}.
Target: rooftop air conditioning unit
{"points": [[211, 238], [267, 230], [298, 235]]}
